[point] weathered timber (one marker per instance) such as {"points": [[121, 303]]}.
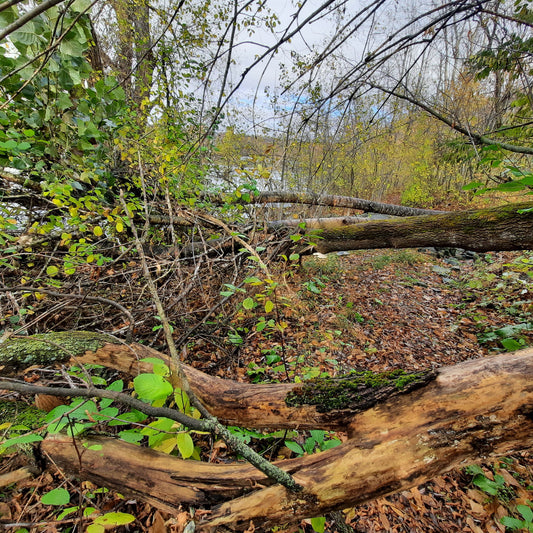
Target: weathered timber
{"points": [[481, 230], [289, 405], [307, 198], [471, 411]]}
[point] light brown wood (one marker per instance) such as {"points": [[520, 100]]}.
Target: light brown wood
{"points": [[471, 411], [233, 403], [15, 476]]}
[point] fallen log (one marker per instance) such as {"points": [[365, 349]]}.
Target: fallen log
{"points": [[329, 200], [282, 406], [470, 411], [508, 227]]}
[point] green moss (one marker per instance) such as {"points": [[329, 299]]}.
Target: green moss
{"points": [[19, 413], [49, 348], [356, 391]]}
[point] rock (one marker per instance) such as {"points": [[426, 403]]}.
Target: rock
{"points": [[441, 271]]}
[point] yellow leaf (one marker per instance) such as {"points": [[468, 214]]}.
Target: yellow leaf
{"points": [[98, 231], [167, 445], [119, 226]]}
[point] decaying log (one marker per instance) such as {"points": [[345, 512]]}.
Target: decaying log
{"points": [[282, 406], [499, 228], [470, 411]]}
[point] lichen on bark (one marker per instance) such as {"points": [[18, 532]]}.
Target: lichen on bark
{"points": [[48, 348], [357, 391]]}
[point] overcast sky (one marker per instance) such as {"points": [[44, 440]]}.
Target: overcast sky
{"points": [[267, 73]]}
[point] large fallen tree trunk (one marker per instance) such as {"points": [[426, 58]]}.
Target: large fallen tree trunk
{"points": [[495, 229], [508, 227], [473, 410]]}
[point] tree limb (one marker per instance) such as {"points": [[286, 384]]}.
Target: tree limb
{"points": [[476, 137]]}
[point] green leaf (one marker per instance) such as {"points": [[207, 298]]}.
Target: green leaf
{"points": [[185, 445], [83, 409], [126, 418], [64, 79], [131, 435], [59, 496], [248, 303], [152, 387], [114, 519], [269, 306], [226, 294], [182, 401], [106, 414], [158, 366], [472, 185], [64, 102], [486, 485], [330, 444], [526, 512], [318, 435], [81, 5], [511, 345], [23, 439], [260, 326], [294, 447], [26, 35], [116, 386], [253, 280], [72, 48], [510, 186], [7, 16], [66, 512], [52, 271], [318, 523], [512, 523]]}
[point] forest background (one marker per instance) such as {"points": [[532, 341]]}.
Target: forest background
{"points": [[138, 142]]}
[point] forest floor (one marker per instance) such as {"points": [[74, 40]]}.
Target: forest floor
{"points": [[377, 311]]}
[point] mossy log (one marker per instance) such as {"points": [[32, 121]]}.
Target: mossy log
{"points": [[470, 411], [462, 413], [318, 404], [493, 229]]}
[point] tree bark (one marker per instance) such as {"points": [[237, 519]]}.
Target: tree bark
{"points": [[471, 411], [282, 406], [481, 230], [291, 197]]}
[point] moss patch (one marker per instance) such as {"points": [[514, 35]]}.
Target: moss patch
{"points": [[49, 348], [19, 413], [356, 391]]}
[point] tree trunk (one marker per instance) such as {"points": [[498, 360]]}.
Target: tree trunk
{"points": [[481, 230], [282, 406], [290, 197], [471, 411]]}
